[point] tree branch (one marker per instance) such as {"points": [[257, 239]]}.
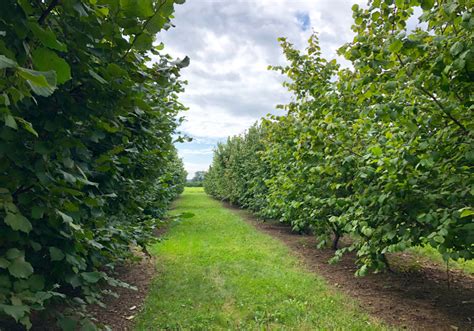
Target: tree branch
{"points": [[438, 103], [143, 29], [443, 109], [20, 190], [347, 149], [47, 11]]}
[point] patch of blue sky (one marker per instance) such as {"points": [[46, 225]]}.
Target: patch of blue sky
{"points": [[303, 20], [197, 154]]}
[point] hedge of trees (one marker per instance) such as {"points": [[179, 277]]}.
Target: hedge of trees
{"points": [[87, 162], [382, 151]]}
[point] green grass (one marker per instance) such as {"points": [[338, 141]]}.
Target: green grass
{"points": [[217, 272], [434, 256]]}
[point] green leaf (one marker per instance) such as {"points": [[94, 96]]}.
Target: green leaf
{"points": [[92, 277], [66, 218], [47, 37], [143, 42], [140, 8], [18, 222], [26, 6], [69, 220], [56, 254], [36, 246], [103, 11], [74, 280], [396, 46], [116, 71], [37, 212], [88, 325], [367, 231], [155, 24], [167, 8], [427, 4], [456, 48], [439, 239], [362, 271], [69, 177], [4, 263], [5, 281], [7, 63], [14, 253], [19, 268], [183, 63], [17, 312], [25, 321], [80, 9], [97, 77], [376, 151], [42, 83], [27, 126], [10, 121], [467, 212], [46, 60], [67, 324], [36, 282]]}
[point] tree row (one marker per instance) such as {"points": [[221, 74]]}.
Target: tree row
{"points": [[88, 112], [381, 151]]}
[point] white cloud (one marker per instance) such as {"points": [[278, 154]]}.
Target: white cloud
{"points": [[192, 167], [231, 43], [214, 122], [189, 151]]}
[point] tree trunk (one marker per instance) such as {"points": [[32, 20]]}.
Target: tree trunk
{"points": [[335, 242], [387, 264]]}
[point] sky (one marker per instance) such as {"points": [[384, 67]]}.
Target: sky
{"points": [[230, 44]]}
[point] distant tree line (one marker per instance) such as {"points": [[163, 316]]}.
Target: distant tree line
{"points": [[197, 180]]}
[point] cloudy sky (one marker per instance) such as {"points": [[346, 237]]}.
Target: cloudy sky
{"points": [[231, 43]]}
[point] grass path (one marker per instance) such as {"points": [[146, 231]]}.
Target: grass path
{"points": [[217, 272]]}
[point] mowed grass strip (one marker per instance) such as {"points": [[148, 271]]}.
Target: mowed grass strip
{"points": [[215, 271]]}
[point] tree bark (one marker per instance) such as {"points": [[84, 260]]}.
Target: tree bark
{"points": [[335, 242]]}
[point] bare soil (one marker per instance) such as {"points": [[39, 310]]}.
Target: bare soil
{"points": [[415, 296], [119, 313]]}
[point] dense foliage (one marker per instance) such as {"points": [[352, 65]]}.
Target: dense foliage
{"points": [[237, 172], [87, 163], [382, 151]]}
